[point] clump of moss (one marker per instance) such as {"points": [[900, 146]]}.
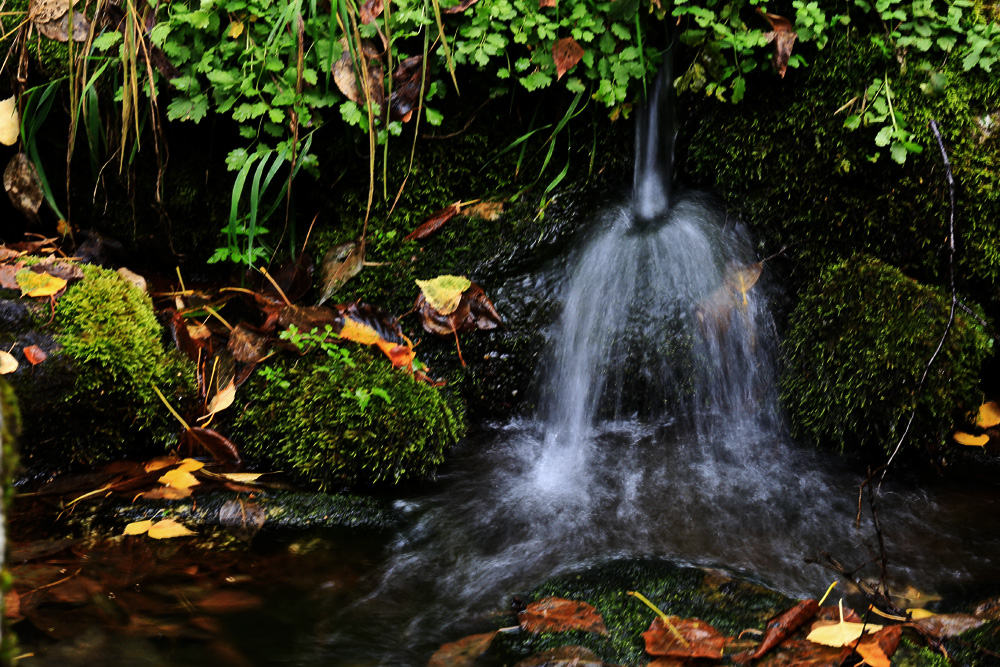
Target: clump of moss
{"points": [[858, 343], [309, 418], [92, 399], [10, 426]]}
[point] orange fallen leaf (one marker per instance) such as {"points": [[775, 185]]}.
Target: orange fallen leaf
{"points": [[561, 615], [566, 53], [970, 440], [462, 653], [700, 640], [34, 354], [989, 415], [785, 624], [434, 222]]}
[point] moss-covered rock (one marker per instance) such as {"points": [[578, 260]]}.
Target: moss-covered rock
{"points": [[328, 422], [857, 346], [93, 397], [10, 426]]}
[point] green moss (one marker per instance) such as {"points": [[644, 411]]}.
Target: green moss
{"points": [[728, 604], [92, 399], [858, 343], [10, 426], [314, 429]]}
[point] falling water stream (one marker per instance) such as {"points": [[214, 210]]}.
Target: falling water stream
{"points": [[658, 435]]}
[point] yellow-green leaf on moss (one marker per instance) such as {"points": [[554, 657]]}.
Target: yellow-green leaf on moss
{"points": [[444, 292], [38, 284]]}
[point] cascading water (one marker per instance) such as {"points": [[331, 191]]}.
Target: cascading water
{"points": [[658, 436]]}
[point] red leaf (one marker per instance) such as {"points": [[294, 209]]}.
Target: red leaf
{"points": [[547, 3], [212, 442], [567, 53], [462, 653], [561, 615], [703, 641], [434, 223], [34, 354], [785, 624]]}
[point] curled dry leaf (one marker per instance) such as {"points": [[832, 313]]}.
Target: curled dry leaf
{"points": [[368, 60], [370, 11], [35, 355], [340, 264], [462, 653], [877, 648], [8, 273], [23, 185], [782, 626], [970, 440], [561, 615], [840, 633], [567, 53], [10, 122], [486, 210], [783, 37], [247, 345], [160, 462], [183, 340], [68, 271], [8, 364], [474, 311], [190, 465], [434, 222]]}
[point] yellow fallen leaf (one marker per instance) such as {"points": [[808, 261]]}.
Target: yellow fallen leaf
{"points": [[190, 465], [138, 527], [920, 613], [179, 479], [989, 415], [970, 440], [44, 284], [842, 633], [242, 477], [359, 333], [235, 29], [444, 293], [10, 122], [222, 399], [8, 364], [162, 530]]}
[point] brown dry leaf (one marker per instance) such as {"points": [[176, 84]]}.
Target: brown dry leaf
{"points": [[970, 440], [475, 311], [23, 186], [462, 653], [460, 7], [212, 442], [567, 53], [242, 518], [701, 640], [179, 479], [198, 332], [370, 11], [785, 624], [227, 602], [485, 210], [138, 527], [561, 615], [406, 83], [783, 37], [800, 653], [8, 364], [168, 528], [10, 122], [12, 605], [34, 354], [182, 338], [434, 222], [989, 415], [548, 3], [943, 626], [222, 399], [8, 273], [59, 29], [876, 649], [340, 264], [43, 11], [247, 345], [345, 78]]}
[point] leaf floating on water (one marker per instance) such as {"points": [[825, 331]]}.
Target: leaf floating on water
{"points": [[561, 615], [138, 527], [23, 185], [10, 122], [434, 222], [444, 293], [242, 518], [989, 415], [168, 528], [566, 53], [8, 364], [970, 440], [35, 355], [462, 653], [340, 264]]}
